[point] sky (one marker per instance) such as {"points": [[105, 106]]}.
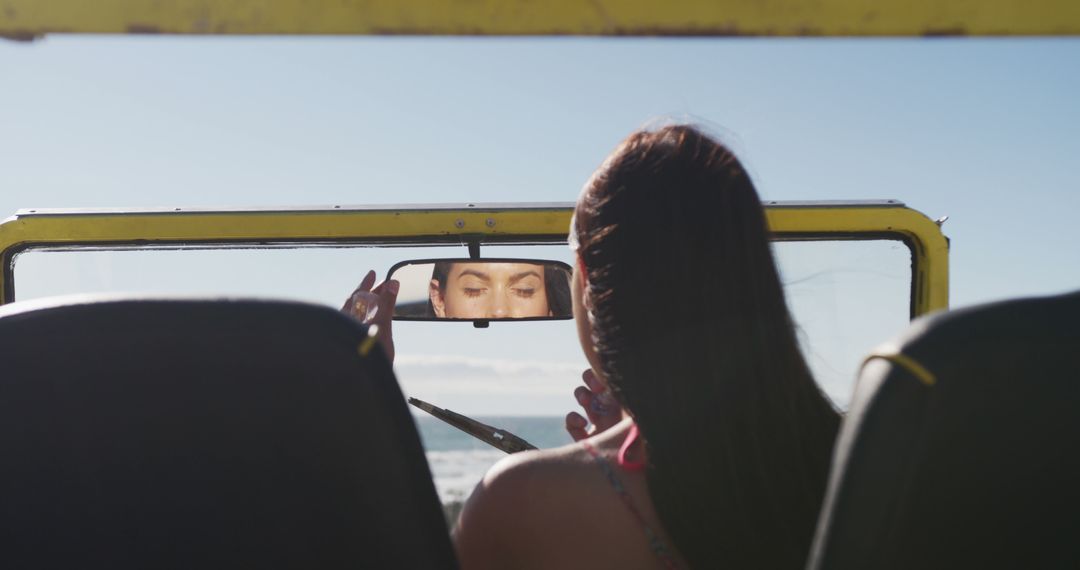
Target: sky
{"points": [[982, 130]]}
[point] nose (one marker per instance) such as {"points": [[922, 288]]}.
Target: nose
{"points": [[500, 306]]}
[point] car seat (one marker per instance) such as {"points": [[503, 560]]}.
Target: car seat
{"points": [[181, 433], [962, 446]]}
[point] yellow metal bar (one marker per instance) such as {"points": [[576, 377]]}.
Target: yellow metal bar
{"points": [[929, 248], [300, 225], [32, 18], [930, 287]]}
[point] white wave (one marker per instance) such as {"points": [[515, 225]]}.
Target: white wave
{"points": [[457, 472]]}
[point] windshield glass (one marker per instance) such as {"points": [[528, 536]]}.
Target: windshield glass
{"points": [[846, 297]]}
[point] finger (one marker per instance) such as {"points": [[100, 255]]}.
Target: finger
{"points": [[575, 426], [603, 403], [367, 281], [365, 285], [384, 316], [387, 292], [358, 302], [590, 379], [597, 408], [600, 413], [583, 396]]}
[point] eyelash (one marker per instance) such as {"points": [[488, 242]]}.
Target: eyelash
{"points": [[476, 292]]}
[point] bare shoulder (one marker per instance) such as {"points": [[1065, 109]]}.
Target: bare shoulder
{"points": [[557, 509], [510, 516], [534, 470], [529, 483]]}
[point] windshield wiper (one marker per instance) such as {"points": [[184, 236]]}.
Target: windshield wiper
{"points": [[493, 436]]}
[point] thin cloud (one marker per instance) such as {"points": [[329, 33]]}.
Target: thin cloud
{"points": [[470, 374], [450, 365]]}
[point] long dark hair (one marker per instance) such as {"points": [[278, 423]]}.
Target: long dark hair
{"points": [[697, 342]]}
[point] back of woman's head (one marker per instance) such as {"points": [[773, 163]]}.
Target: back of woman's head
{"points": [[695, 338]]}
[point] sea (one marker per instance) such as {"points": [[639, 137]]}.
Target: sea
{"points": [[458, 460]]}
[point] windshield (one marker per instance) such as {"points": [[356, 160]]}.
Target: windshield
{"points": [[846, 297]]}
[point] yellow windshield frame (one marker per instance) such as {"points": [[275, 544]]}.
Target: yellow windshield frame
{"points": [[27, 19], [186, 228]]}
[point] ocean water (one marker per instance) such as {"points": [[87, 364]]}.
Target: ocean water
{"points": [[458, 461]]}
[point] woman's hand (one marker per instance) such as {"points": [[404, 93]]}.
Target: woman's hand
{"points": [[599, 405], [375, 306]]}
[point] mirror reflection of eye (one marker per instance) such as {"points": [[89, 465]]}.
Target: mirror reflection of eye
{"points": [[473, 291], [524, 292]]}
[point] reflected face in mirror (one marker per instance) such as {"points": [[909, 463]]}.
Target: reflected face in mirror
{"points": [[482, 289], [461, 290]]}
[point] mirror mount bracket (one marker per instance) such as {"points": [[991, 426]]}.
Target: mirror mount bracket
{"points": [[481, 323], [474, 249]]}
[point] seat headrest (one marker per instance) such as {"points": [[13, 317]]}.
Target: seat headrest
{"points": [[962, 445], [206, 433]]}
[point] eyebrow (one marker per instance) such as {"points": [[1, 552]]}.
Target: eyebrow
{"points": [[519, 276], [474, 273], [513, 278]]}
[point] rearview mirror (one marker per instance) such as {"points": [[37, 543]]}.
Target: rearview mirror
{"points": [[482, 290]]}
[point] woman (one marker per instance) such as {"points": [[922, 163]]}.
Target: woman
{"points": [[717, 453]]}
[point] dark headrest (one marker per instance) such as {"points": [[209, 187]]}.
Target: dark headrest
{"points": [[193, 433], [962, 446]]}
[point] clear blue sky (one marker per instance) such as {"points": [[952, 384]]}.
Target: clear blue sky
{"points": [[985, 131]]}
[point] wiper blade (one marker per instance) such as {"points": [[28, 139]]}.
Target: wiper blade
{"points": [[493, 436]]}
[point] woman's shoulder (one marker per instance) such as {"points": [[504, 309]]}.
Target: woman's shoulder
{"points": [[557, 470], [518, 513], [530, 482], [534, 467], [507, 522]]}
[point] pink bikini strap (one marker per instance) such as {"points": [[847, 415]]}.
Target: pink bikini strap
{"points": [[625, 463]]}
